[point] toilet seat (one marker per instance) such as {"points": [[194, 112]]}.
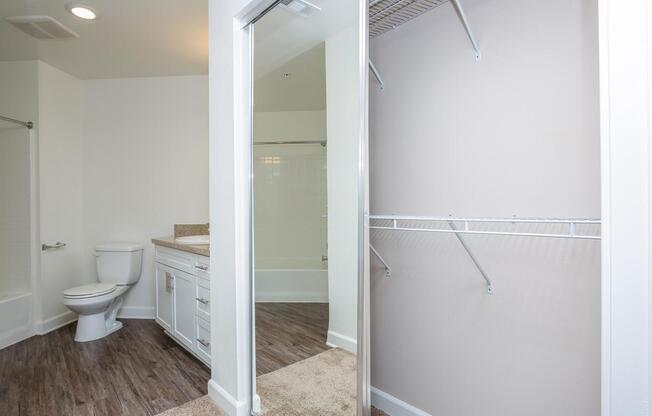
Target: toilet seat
{"points": [[89, 291]]}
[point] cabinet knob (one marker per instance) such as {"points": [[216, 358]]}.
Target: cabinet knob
{"points": [[202, 300], [204, 342], [201, 267]]}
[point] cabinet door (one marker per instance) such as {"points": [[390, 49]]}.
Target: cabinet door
{"points": [[164, 296], [184, 308]]}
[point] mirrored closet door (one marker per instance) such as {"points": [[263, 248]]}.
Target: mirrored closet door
{"points": [[306, 207]]}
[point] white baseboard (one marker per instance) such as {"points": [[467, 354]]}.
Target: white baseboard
{"points": [[337, 340], [56, 322], [16, 335], [291, 297], [227, 403], [393, 406], [137, 312], [256, 407]]}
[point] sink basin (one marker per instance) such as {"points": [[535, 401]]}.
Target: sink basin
{"points": [[194, 240]]}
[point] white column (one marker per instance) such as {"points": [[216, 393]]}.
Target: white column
{"points": [[625, 135]]}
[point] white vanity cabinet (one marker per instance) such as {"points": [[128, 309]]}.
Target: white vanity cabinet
{"points": [[183, 299]]}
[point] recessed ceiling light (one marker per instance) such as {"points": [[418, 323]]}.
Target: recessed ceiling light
{"points": [[81, 11]]}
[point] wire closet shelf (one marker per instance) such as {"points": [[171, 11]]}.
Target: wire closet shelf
{"points": [[386, 15], [565, 228], [575, 228]]}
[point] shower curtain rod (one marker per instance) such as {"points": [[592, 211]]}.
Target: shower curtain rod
{"points": [[323, 143], [27, 124]]}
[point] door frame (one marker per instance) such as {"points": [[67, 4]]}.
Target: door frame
{"points": [[625, 42], [243, 99]]}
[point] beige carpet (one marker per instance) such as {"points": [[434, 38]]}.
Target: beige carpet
{"points": [[199, 407], [322, 385]]}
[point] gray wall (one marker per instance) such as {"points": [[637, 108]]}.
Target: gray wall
{"points": [[514, 134]]}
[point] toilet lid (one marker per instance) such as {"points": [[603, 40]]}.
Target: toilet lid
{"points": [[85, 291]]}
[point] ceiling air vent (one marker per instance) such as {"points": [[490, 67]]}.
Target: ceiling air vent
{"points": [[42, 27]]}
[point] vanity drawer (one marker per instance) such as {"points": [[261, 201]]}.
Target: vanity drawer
{"points": [[203, 340], [202, 267], [205, 283], [203, 302], [176, 259]]}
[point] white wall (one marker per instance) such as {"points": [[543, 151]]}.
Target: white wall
{"points": [[343, 121], [19, 84], [289, 204], [145, 167], [59, 127], [290, 125], [118, 159], [290, 232], [52, 99], [516, 133]]}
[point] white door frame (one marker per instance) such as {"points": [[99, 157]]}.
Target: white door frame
{"points": [[232, 293], [625, 120]]}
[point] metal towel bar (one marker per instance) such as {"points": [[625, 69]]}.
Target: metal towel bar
{"points": [[56, 245]]}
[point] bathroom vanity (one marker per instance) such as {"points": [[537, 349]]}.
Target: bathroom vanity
{"points": [[183, 294]]}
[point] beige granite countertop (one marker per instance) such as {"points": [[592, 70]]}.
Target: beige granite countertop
{"points": [[202, 250]]}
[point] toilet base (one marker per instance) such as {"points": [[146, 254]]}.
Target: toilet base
{"points": [[98, 325], [92, 327]]}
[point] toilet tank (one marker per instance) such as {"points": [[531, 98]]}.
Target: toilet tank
{"points": [[119, 263]]}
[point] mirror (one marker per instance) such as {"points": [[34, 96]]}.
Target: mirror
{"points": [[306, 207]]}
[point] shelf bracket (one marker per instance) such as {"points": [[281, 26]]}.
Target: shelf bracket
{"points": [[376, 75], [469, 32], [388, 270], [490, 287]]}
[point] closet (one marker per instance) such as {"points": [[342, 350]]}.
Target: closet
{"points": [[485, 222]]}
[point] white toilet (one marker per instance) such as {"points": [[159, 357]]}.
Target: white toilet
{"points": [[118, 268]]}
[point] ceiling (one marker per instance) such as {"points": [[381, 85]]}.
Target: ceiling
{"points": [[146, 38], [281, 35], [297, 85], [130, 38]]}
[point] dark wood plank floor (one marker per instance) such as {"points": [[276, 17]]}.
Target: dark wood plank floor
{"points": [[289, 332], [135, 371], [139, 370]]}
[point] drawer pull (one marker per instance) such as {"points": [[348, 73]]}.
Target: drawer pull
{"points": [[204, 342], [202, 300], [201, 267]]}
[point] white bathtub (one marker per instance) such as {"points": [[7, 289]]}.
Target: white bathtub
{"points": [[292, 285], [15, 318]]}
